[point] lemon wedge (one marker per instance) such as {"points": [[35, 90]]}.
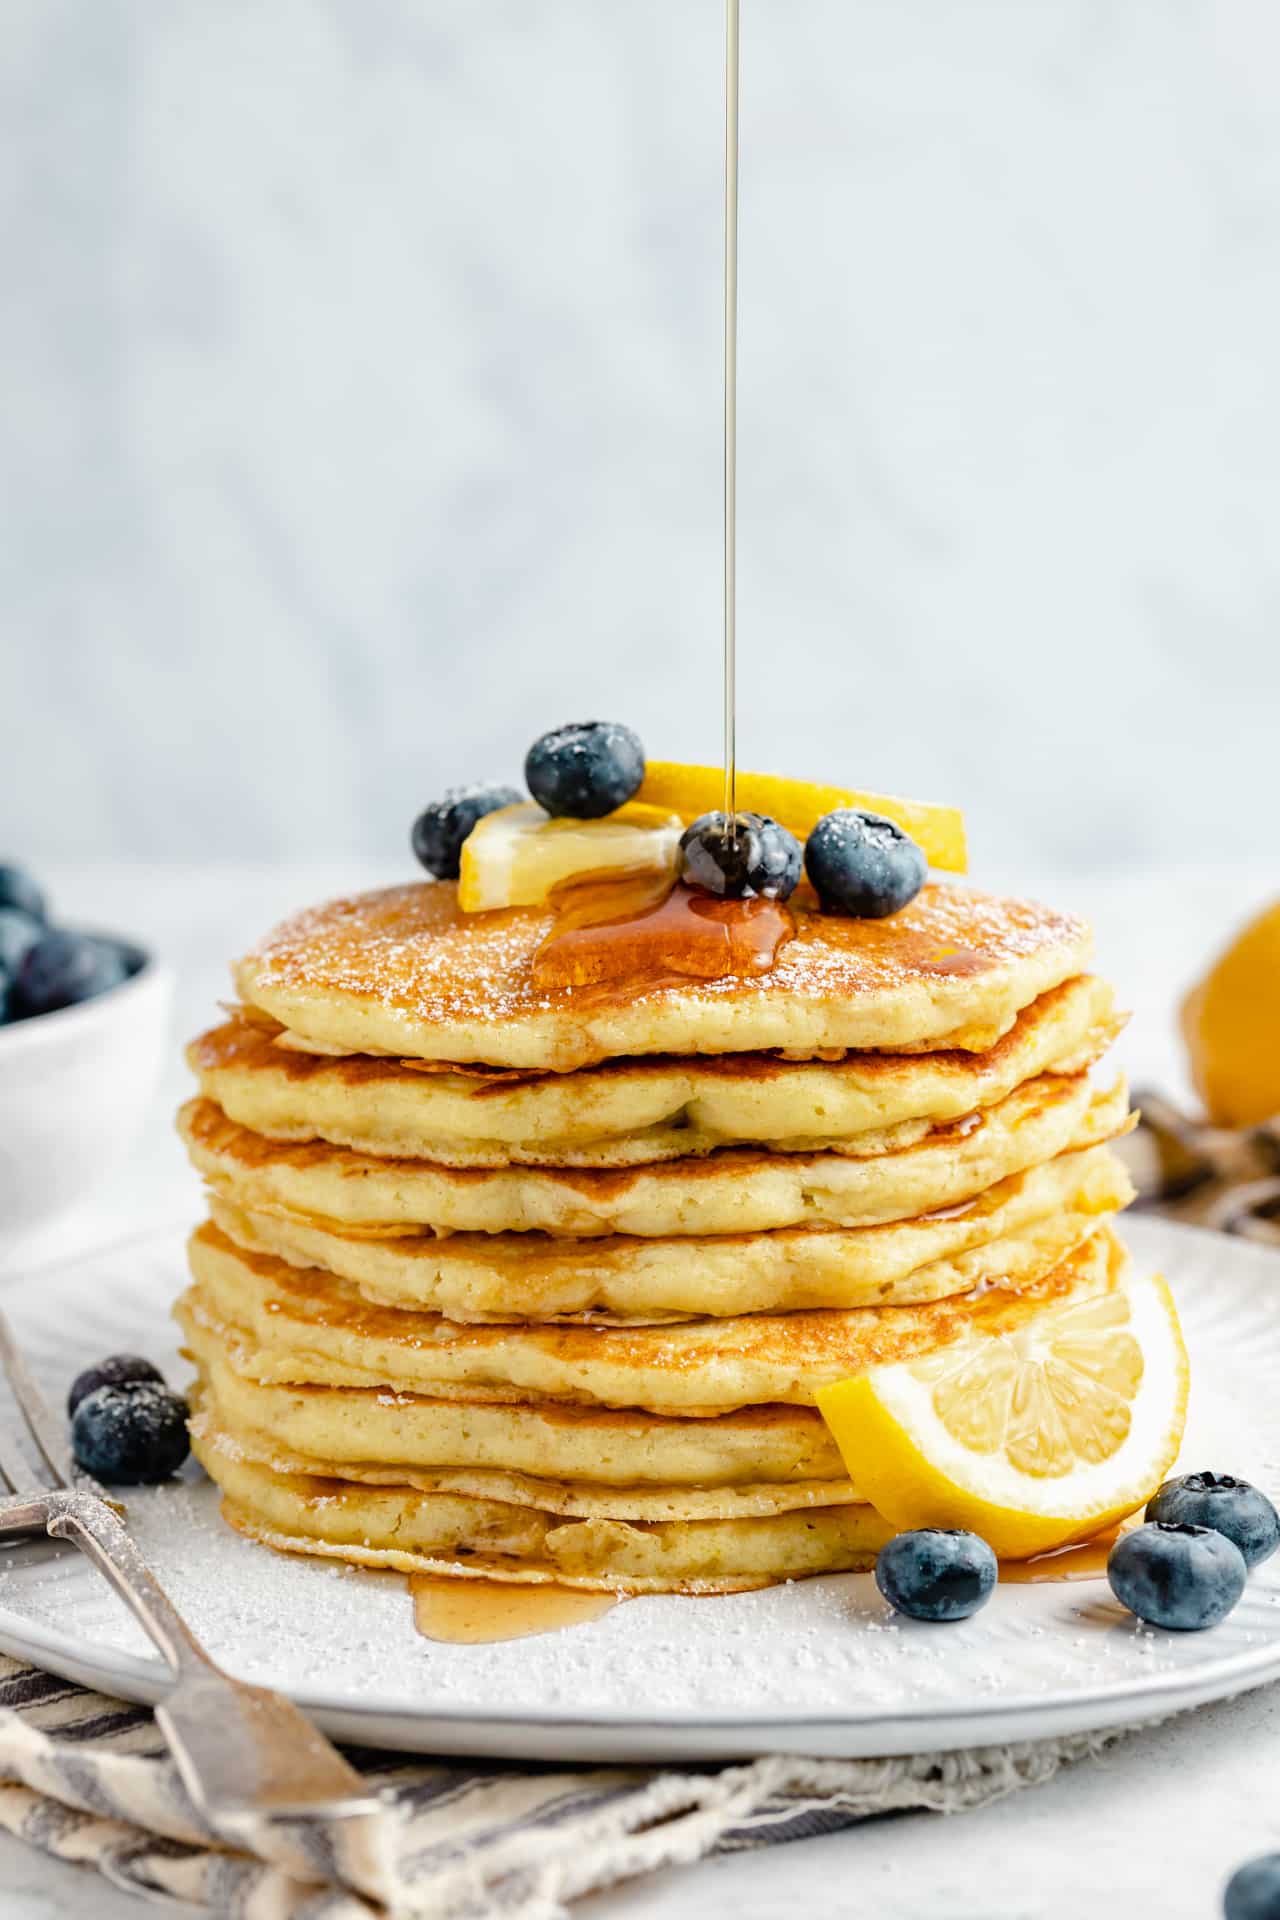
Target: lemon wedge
{"points": [[514, 857], [1038, 1430], [800, 804]]}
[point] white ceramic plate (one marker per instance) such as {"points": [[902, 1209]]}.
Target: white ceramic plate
{"points": [[819, 1667]]}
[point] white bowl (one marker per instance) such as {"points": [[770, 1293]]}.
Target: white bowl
{"points": [[74, 1088]]}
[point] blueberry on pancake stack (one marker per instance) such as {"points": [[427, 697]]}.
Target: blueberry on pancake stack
{"points": [[552, 1197]]}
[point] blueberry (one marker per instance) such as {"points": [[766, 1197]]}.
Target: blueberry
{"points": [[757, 856], [120, 1370], [62, 969], [936, 1573], [1253, 1891], [1177, 1576], [441, 828], [18, 889], [862, 864], [18, 934], [582, 772], [132, 1435], [1228, 1505]]}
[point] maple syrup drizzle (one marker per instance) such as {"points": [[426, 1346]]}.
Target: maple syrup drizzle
{"points": [[622, 933], [629, 934], [626, 933], [474, 1612]]}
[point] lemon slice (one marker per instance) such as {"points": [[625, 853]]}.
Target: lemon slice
{"points": [[514, 857], [800, 804], [1056, 1424]]}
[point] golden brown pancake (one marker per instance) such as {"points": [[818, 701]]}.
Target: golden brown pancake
{"points": [[404, 972], [547, 1439], [413, 1532], [558, 1440], [1015, 1232], [302, 1327], [737, 1190], [572, 1499], [631, 1112]]}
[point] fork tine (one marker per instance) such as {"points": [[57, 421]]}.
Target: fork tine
{"points": [[15, 1470], [45, 1431]]}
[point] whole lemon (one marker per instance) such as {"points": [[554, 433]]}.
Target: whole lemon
{"points": [[1231, 1024]]}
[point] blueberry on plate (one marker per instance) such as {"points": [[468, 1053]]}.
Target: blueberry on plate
{"points": [[1228, 1505], [583, 772], [19, 932], [1253, 1891], [862, 864], [936, 1573], [18, 889], [132, 1435], [441, 828], [755, 856], [121, 1370], [1177, 1576]]}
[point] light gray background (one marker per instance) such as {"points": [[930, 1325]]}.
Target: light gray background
{"points": [[360, 371]]}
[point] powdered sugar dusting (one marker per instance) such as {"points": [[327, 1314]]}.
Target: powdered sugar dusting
{"points": [[404, 968]]}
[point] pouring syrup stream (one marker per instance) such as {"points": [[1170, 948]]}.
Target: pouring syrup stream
{"points": [[731, 71], [620, 934], [637, 930]]}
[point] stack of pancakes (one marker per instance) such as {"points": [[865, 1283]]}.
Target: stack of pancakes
{"points": [[540, 1284]]}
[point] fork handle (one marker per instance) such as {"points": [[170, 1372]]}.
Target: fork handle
{"points": [[98, 1533], [244, 1752]]}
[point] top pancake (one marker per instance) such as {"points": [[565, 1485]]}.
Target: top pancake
{"points": [[404, 972]]}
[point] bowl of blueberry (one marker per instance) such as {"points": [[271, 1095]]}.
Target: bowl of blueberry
{"points": [[83, 1023]]}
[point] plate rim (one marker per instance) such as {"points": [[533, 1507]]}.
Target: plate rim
{"points": [[150, 1673], [1115, 1704]]}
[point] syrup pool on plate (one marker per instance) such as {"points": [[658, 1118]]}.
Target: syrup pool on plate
{"points": [[475, 1612], [1085, 1561]]}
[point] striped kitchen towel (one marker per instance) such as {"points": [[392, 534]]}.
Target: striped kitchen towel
{"points": [[88, 1780], [1213, 1176]]}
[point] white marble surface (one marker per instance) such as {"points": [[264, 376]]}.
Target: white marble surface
{"points": [[1166, 1815], [361, 370]]}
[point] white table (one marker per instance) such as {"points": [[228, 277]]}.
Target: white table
{"points": [[1173, 1809]]}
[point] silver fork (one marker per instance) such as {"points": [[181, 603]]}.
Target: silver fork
{"points": [[244, 1753]]}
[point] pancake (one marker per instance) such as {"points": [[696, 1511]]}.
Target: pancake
{"points": [[414, 1532], [631, 1112], [549, 1439], [296, 1326], [737, 1190], [572, 1499], [404, 972], [1015, 1231]]}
